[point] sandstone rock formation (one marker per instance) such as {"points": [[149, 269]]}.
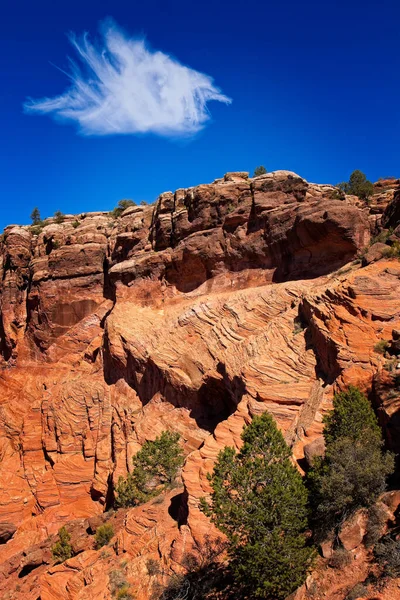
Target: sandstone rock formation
{"points": [[217, 303]]}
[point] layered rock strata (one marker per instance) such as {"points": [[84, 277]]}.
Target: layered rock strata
{"points": [[214, 304]]}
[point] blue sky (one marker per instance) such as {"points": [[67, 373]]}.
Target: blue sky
{"points": [[315, 88]]}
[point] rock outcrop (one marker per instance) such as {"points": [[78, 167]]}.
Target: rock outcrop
{"points": [[217, 303]]}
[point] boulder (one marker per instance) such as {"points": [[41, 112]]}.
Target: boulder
{"points": [[392, 500], [314, 449], [353, 531], [374, 253]]}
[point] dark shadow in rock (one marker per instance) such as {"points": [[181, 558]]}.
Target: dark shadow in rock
{"points": [[7, 531], [178, 509], [28, 569], [214, 401]]}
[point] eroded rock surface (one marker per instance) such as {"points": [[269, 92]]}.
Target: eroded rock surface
{"points": [[217, 303]]}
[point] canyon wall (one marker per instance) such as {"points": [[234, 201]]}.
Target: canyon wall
{"points": [[214, 304]]}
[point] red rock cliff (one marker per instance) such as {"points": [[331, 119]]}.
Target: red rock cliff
{"points": [[215, 304]]}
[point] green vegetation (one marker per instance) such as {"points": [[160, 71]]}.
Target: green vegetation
{"points": [[381, 346], [387, 555], [119, 587], [35, 216], [338, 194], [37, 223], [62, 550], [155, 467], [153, 567], [124, 593], [261, 170], [204, 578], [75, 224], [393, 251], [358, 185], [377, 517], [299, 325], [340, 559], [354, 469], [259, 501], [59, 217], [121, 206], [382, 237], [358, 591], [37, 229], [104, 533]]}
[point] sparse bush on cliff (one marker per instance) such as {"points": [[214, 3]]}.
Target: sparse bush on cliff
{"points": [[377, 518], [121, 206], [259, 501], [393, 251], [381, 346], [37, 229], [104, 534], [381, 237], [62, 550], [261, 170], [35, 216], [354, 469], [59, 217], [119, 587], [358, 591], [387, 555], [152, 566], [205, 575], [358, 185], [340, 558], [155, 467], [124, 593], [37, 223]]}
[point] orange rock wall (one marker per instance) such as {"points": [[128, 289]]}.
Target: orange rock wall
{"points": [[215, 304]]}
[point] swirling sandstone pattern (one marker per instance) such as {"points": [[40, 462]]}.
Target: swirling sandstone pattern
{"points": [[215, 304]]}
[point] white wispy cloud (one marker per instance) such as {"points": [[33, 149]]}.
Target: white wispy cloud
{"points": [[122, 86]]}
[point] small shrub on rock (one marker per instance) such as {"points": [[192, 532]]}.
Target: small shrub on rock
{"points": [[119, 587], [340, 559], [121, 206], [261, 170], [104, 533], [155, 468], [59, 217], [35, 216], [124, 593], [205, 578], [153, 568], [393, 251], [62, 550], [387, 555], [358, 591], [381, 346], [377, 518], [37, 229]]}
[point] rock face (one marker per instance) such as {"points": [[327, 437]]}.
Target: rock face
{"points": [[217, 303]]}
